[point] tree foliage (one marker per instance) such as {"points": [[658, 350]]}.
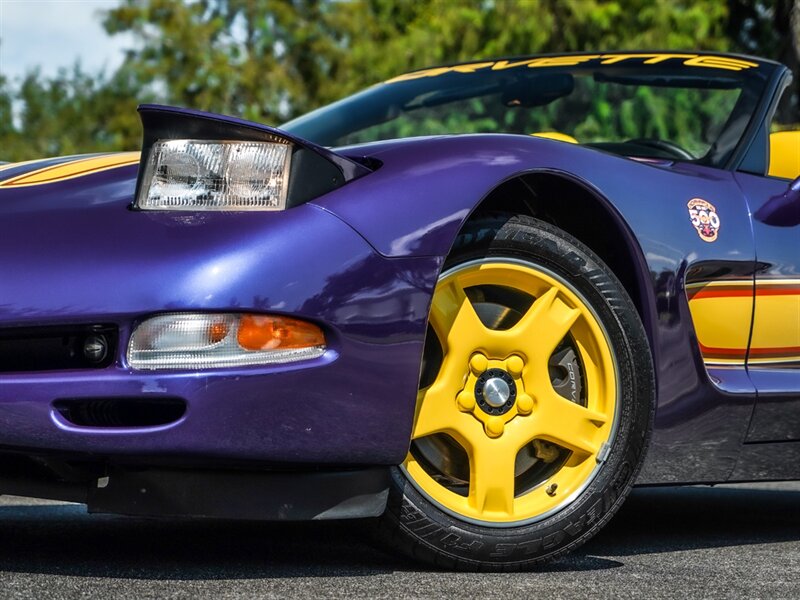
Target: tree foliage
{"points": [[270, 60]]}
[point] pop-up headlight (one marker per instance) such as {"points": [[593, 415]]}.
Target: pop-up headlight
{"points": [[193, 161], [215, 175]]}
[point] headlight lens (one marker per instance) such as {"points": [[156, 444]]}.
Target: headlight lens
{"points": [[215, 175], [205, 341]]}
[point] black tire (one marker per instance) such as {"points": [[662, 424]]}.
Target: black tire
{"points": [[418, 527]]}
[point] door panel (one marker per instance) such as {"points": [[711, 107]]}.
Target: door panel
{"points": [[774, 357]]}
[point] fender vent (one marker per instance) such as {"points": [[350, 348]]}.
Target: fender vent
{"points": [[120, 412]]}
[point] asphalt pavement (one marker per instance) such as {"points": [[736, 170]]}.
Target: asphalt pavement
{"points": [[723, 542]]}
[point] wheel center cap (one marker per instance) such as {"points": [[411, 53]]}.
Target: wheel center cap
{"points": [[496, 392]]}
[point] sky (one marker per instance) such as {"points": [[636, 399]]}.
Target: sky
{"points": [[52, 34]]}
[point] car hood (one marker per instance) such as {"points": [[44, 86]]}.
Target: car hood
{"points": [[73, 250]]}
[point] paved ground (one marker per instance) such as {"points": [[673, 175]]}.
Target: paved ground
{"points": [[695, 542]]}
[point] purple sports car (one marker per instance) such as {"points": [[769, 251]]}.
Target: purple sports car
{"points": [[475, 302]]}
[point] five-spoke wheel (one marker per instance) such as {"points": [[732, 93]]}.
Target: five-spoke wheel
{"points": [[535, 402], [494, 394]]}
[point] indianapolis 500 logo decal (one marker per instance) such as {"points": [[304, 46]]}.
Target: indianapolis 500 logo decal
{"points": [[704, 218]]}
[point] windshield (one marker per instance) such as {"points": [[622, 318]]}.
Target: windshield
{"points": [[671, 106]]}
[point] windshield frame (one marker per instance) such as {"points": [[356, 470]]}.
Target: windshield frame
{"points": [[762, 77]]}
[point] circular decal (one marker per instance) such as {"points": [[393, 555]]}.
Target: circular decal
{"points": [[704, 218]]}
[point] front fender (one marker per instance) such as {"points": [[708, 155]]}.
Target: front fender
{"points": [[416, 203]]}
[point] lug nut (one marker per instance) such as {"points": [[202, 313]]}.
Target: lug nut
{"points": [[525, 404], [465, 401], [514, 365], [478, 363], [494, 427]]}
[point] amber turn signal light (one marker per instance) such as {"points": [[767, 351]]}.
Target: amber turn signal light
{"points": [[259, 332]]}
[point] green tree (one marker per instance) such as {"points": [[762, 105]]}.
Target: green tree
{"points": [[73, 112], [8, 133], [263, 60], [770, 28], [275, 59], [271, 60]]}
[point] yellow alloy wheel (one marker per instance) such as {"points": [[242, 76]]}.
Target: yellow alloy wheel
{"points": [[521, 407]]}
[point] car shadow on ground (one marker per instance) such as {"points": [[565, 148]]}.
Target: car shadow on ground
{"points": [[655, 520], [64, 540]]}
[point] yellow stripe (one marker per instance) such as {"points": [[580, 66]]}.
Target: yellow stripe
{"points": [[722, 322], [556, 135], [723, 362], [776, 322], [72, 169]]}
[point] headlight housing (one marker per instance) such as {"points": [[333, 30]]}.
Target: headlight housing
{"points": [[204, 341], [199, 161], [187, 174]]}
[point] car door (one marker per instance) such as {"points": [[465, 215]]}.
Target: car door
{"points": [[773, 360]]}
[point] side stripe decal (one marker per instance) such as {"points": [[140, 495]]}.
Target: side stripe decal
{"points": [[721, 314], [71, 169]]}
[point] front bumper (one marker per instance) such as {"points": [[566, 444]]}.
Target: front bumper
{"points": [[338, 409], [352, 406]]}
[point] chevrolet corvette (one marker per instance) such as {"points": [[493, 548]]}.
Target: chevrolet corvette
{"points": [[475, 303]]}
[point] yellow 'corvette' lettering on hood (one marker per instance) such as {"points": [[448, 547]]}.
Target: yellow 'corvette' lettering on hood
{"points": [[727, 63]]}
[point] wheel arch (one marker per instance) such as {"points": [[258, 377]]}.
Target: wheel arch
{"points": [[556, 197]]}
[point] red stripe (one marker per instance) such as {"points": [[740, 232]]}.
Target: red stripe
{"points": [[722, 352], [721, 293], [738, 292], [777, 291], [722, 289], [789, 352], [786, 351]]}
